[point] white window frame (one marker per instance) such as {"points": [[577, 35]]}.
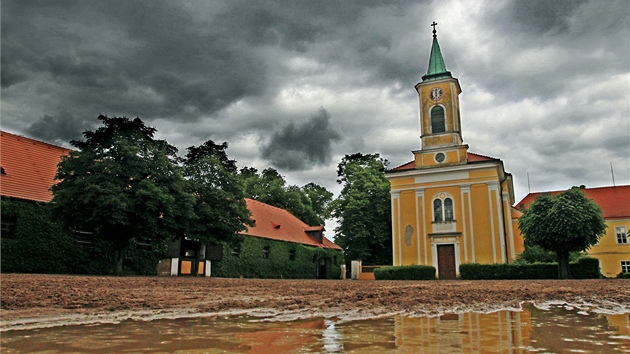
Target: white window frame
{"points": [[625, 266], [621, 234], [442, 197]]}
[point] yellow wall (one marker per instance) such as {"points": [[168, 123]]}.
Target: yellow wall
{"points": [[483, 226], [609, 252]]}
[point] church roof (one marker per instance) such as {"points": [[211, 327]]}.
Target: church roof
{"points": [[612, 200], [437, 68], [471, 157], [28, 167], [278, 224]]}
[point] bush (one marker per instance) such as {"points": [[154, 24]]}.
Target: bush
{"points": [[413, 272], [584, 268], [623, 275], [286, 260]]}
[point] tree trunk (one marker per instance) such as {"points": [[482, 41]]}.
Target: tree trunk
{"points": [[117, 264], [563, 265]]}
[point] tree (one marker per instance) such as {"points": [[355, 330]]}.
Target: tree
{"points": [[308, 203], [563, 223], [363, 209], [123, 185], [219, 206]]}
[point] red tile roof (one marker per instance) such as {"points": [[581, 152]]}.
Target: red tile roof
{"points": [[472, 157], [28, 167], [614, 201], [278, 224]]}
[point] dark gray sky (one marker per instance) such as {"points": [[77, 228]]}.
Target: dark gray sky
{"points": [[296, 85]]}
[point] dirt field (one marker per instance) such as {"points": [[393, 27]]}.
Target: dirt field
{"points": [[29, 301]]}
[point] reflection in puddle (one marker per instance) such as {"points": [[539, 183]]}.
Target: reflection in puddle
{"points": [[555, 329]]}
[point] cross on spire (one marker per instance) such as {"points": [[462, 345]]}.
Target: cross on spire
{"points": [[434, 31]]}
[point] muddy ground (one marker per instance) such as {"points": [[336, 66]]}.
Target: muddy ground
{"points": [[29, 301]]}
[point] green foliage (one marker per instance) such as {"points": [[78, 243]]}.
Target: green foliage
{"points": [[363, 209], [623, 275], [412, 272], [309, 203], [285, 260], [122, 184], [563, 223], [537, 254], [220, 211], [584, 268], [36, 244]]}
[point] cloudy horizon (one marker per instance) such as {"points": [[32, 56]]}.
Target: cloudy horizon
{"points": [[296, 85]]}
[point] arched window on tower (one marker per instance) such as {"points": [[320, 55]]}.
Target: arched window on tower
{"points": [[443, 209], [437, 120]]}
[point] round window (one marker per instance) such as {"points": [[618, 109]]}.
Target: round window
{"points": [[440, 157]]}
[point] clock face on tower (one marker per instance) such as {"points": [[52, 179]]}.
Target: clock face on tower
{"points": [[436, 93]]}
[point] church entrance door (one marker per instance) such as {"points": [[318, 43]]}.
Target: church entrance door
{"points": [[446, 262]]}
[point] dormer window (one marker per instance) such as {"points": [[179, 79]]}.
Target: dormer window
{"points": [[438, 124], [2, 171]]}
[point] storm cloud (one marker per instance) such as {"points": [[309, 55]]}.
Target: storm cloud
{"points": [[299, 145], [545, 83]]}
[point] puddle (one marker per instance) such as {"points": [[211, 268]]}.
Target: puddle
{"points": [[554, 328]]}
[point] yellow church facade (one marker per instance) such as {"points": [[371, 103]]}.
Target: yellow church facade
{"points": [[450, 206]]}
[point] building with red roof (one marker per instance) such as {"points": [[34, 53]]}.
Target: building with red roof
{"points": [[28, 169], [613, 249], [450, 206]]}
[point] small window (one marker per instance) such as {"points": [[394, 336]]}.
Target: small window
{"points": [[437, 120], [6, 229], [83, 237], [448, 209], [625, 266], [266, 252], [190, 253], [437, 210], [291, 255], [236, 251], [622, 234]]}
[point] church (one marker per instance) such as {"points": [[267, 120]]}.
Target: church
{"points": [[450, 206]]}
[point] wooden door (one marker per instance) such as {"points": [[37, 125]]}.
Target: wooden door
{"points": [[446, 262]]}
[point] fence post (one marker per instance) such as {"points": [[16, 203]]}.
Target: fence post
{"points": [[355, 269]]}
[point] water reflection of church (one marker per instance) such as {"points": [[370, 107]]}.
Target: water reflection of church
{"points": [[554, 329]]}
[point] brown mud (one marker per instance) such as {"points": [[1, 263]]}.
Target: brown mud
{"points": [[29, 301]]}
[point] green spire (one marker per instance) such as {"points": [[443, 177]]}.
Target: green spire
{"points": [[437, 68]]}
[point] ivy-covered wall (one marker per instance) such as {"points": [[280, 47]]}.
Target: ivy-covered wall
{"points": [[32, 242], [263, 258]]}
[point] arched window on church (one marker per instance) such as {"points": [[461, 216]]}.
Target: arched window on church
{"points": [[443, 209], [437, 210], [438, 124]]}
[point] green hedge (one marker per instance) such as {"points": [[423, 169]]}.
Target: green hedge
{"points": [[413, 272], [285, 260], [584, 268], [623, 275], [35, 243]]}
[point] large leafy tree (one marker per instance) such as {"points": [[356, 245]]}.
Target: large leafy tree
{"points": [[308, 203], [563, 223], [122, 184], [363, 209], [220, 208]]}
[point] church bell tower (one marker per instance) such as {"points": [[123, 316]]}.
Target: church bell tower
{"points": [[440, 123]]}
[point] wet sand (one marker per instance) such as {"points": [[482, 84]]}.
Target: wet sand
{"points": [[30, 301]]}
